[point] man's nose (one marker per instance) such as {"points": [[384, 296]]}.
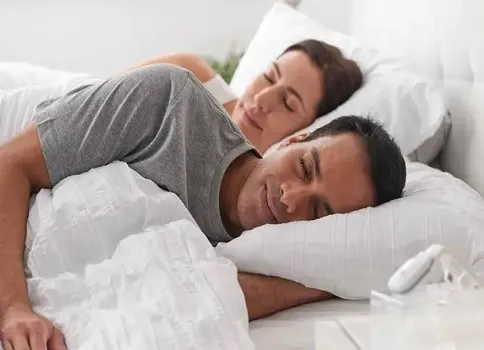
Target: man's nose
{"points": [[293, 197]]}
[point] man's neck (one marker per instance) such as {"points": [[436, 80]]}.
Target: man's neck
{"points": [[233, 181]]}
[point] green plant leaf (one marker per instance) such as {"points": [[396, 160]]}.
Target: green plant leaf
{"points": [[225, 68]]}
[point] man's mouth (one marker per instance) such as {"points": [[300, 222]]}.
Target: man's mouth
{"points": [[267, 206]]}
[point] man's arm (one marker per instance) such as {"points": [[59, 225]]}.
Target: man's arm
{"points": [[265, 295], [22, 171]]}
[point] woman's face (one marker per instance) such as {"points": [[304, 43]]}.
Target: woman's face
{"points": [[280, 101]]}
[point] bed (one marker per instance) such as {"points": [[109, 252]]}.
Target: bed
{"points": [[441, 40]]}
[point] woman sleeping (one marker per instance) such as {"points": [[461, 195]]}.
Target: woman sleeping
{"points": [[308, 80]]}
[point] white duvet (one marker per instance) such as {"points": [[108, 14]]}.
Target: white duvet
{"points": [[118, 263]]}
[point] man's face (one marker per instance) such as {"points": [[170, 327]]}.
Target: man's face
{"points": [[306, 181]]}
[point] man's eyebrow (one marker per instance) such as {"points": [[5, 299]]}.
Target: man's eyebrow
{"points": [[317, 171], [290, 88]]}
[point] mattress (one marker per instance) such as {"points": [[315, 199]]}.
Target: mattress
{"points": [[312, 326]]}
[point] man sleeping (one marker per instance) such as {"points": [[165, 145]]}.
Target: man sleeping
{"points": [[165, 126]]}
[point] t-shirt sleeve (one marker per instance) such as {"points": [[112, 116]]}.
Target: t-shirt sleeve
{"points": [[117, 119]]}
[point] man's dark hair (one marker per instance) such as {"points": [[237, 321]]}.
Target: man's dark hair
{"points": [[341, 76], [387, 165]]}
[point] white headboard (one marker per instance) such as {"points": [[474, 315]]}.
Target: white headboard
{"points": [[441, 40]]}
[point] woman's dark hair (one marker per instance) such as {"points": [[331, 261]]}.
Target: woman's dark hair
{"points": [[341, 76]]}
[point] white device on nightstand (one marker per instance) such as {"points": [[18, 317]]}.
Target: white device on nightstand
{"points": [[414, 270]]}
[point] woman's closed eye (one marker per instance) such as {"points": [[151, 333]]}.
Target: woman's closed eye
{"points": [[286, 100], [268, 78], [287, 104]]}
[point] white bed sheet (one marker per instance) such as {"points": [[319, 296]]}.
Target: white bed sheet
{"points": [[294, 329], [118, 263]]}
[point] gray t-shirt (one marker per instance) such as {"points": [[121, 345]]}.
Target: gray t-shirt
{"points": [[158, 119]]}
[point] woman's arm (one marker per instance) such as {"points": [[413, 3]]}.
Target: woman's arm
{"points": [[195, 64]]}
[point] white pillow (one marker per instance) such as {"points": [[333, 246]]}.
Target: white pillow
{"points": [[351, 254], [412, 110]]}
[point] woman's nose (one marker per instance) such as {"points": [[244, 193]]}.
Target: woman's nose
{"points": [[254, 109], [266, 98]]}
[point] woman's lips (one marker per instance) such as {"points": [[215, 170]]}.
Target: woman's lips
{"points": [[251, 121]]}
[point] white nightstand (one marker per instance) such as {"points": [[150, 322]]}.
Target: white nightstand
{"points": [[345, 333]]}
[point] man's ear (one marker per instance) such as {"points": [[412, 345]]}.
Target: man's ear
{"points": [[293, 139]]}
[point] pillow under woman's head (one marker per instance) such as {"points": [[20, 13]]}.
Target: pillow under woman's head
{"points": [[411, 109]]}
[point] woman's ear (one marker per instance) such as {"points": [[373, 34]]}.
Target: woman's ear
{"points": [[293, 139]]}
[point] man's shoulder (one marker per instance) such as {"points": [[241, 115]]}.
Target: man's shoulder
{"points": [[158, 79]]}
